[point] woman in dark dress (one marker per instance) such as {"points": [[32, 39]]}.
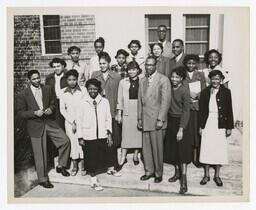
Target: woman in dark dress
{"points": [[177, 146]]}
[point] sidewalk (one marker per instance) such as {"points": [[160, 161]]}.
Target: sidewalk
{"points": [[130, 179]]}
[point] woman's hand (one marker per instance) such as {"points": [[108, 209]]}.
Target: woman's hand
{"points": [[81, 142], [180, 134], [118, 118], [193, 95], [74, 127], [139, 124], [159, 124], [110, 140], [200, 131], [228, 132]]}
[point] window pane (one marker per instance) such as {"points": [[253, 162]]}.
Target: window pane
{"points": [[50, 20], [153, 37], [52, 47], [52, 33], [197, 20], [199, 49], [156, 20], [197, 34]]}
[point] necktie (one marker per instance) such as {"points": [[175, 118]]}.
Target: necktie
{"points": [[97, 128], [38, 97]]}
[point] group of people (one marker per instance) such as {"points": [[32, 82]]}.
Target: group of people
{"points": [[163, 107]]}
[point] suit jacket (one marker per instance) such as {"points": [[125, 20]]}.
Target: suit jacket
{"points": [[174, 64], [26, 105], [109, 87], [163, 65], [224, 103], [197, 76], [50, 80], [167, 50], [154, 101]]}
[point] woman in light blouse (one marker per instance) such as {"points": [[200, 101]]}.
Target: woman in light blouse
{"points": [[127, 113], [94, 130]]}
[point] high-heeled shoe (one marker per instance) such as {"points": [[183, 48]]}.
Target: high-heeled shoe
{"points": [[218, 181], [174, 178], [136, 162], [183, 184], [205, 180], [120, 166]]}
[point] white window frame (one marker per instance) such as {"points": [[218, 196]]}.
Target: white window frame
{"points": [[43, 40]]}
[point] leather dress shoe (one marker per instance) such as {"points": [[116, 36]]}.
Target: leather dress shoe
{"points": [[218, 181], [46, 184], [158, 179], [146, 177], [205, 180], [174, 178], [63, 171]]}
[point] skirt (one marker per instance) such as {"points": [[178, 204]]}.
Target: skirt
{"points": [[131, 136], [116, 133], [214, 144], [193, 129], [97, 155], [177, 152]]}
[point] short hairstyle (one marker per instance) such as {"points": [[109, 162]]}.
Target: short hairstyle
{"points": [[105, 55], [191, 57], [207, 54], [122, 52], [57, 60], [31, 72], [137, 42], [100, 40], [152, 57], [164, 26], [178, 40], [158, 44], [133, 65], [94, 82], [181, 71], [70, 49], [216, 72], [72, 72]]}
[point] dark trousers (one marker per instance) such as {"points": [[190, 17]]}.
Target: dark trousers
{"points": [[39, 145], [152, 150]]}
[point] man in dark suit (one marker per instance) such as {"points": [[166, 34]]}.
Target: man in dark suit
{"points": [[179, 55], [153, 105], [36, 105], [57, 80]]}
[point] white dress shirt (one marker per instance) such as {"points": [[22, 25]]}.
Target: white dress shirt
{"points": [[37, 92], [177, 58], [57, 84], [94, 65]]}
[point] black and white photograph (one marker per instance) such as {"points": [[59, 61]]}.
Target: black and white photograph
{"points": [[128, 103]]}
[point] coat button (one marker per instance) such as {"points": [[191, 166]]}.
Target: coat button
{"points": [[219, 107]]}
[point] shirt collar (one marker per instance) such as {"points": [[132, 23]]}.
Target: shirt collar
{"points": [[97, 99], [69, 90], [151, 77], [59, 76], [177, 58], [75, 63], [163, 43], [33, 88]]}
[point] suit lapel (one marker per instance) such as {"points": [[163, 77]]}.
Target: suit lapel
{"points": [[153, 85], [32, 98]]}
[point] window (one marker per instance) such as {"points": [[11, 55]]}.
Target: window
{"points": [[51, 42], [197, 34], [152, 23]]}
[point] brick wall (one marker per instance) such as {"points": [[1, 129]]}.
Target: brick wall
{"points": [[76, 30]]}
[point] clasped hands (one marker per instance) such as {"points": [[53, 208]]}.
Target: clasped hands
{"points": [[40, 113]]}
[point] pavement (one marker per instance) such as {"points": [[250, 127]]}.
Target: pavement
{"points": [[129, 183]]}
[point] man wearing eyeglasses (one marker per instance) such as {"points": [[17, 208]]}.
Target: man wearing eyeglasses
{"points": [[161, 32]]}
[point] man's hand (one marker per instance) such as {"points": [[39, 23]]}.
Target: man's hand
{"points": [[74, 127], [118, 118], [39, 113], [193, 95], [109, 140], [139, 124], [180, 134], [48, 111], [159, 124], [228, 132], [200, 131]]}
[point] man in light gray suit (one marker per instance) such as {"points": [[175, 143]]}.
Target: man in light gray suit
{"points": [[153, 104]]}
